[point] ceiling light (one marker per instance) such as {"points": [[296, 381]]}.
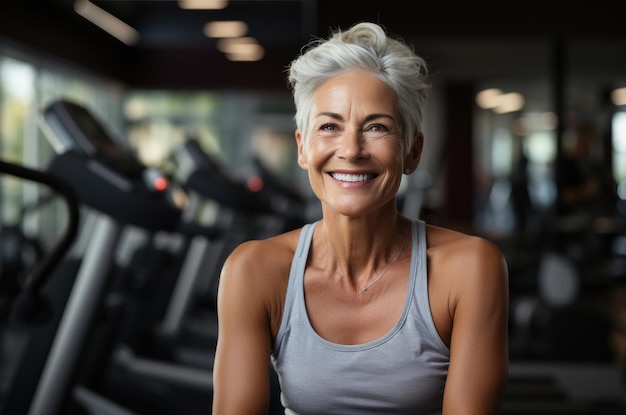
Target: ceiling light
{"points": [[234, 45], [618, 96], [488, 98], [107, 22], [510, 102], [225, 28], [241, 49], [500, 103], [249, 54], [202, 4]]}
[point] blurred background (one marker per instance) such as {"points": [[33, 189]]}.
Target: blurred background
{"points": [[525, 145]]}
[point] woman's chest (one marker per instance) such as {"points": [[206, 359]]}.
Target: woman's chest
{"points": [[355, 318]]}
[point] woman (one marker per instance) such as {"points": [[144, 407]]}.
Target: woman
{"points": [[365, 311]]}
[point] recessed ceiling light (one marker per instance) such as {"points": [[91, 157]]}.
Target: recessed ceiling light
{"points": [[499, 102], [511, 102], [202, 4], [225, 28], [241, 49], [249, 54], [233, 45], [618, 96], [488, 98]]}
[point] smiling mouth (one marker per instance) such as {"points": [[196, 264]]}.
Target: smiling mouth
{"points": [[352, 178]]}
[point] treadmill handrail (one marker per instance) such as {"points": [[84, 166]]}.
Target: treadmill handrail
{"points": [[28, 303]]}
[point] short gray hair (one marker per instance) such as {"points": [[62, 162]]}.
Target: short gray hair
{"points": [[364, 47]]}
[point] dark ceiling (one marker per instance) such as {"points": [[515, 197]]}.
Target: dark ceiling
{"points": [[174, 53]]}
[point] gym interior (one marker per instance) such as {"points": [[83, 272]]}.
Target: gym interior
{"points": [[182, 141]]}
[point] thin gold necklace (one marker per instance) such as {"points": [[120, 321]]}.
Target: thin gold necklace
{"points": [[406, 237]]}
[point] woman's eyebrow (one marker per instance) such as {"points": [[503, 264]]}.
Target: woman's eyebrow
{"points": [[376, 116], [370, 117], [333, 115]]}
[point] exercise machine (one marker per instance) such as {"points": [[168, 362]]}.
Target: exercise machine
{"points": [[31, 313], [115, 190], [91, 366]]}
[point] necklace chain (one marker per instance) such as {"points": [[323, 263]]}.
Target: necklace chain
{"points": [[393, 261]]}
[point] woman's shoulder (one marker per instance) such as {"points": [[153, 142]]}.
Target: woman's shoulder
{"points": [[450, 242], [262, 259], [460, 253], [466, 268], [256, 276]]}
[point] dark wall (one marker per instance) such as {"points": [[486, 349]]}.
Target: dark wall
{"points": [[52, 27], [51, 32]]}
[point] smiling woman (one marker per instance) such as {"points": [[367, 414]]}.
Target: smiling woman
{"points": [[355, 143], [365, 311]]}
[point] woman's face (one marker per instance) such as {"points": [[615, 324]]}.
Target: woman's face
{"points": [[354, 155]]}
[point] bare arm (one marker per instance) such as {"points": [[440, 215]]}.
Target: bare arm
{"points": [[241, 370], [479, 341]]}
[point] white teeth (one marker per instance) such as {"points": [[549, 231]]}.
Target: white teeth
{"points": [[351, 177]]}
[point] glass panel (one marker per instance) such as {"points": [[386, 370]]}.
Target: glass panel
{"points": [[25, 89], [233, 127], [619, 146], [17, 91]]}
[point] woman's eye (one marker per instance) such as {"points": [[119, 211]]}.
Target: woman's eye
{"points": [[328, 127], [376, 129]]}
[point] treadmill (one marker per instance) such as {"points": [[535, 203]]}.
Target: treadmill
{"points": [[118, 191]]}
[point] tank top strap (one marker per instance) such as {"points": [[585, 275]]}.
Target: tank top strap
{"points": [[296, 277], [419, 253], [418, 260], [421, 281]]}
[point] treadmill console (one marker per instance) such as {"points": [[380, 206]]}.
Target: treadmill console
{"points": [[106, 175]]}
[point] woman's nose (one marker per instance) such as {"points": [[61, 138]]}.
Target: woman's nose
{"points": [[352, 145]]}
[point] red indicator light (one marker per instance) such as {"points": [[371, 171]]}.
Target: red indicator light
{"points": [[255, 183], [160, 184]]}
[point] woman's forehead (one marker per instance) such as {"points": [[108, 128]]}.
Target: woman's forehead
{"points": [[354, 93]]}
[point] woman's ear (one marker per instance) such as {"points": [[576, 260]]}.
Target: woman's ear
{"points": [[302, 159], [413, 158]]}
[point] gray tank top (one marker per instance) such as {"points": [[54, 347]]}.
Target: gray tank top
{"points": [[403, 372]]}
